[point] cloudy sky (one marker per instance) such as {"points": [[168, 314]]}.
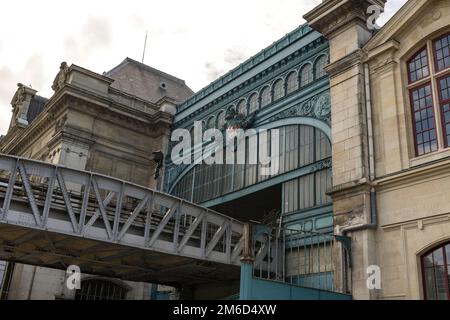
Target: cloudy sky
{"points": [[195, 40]]}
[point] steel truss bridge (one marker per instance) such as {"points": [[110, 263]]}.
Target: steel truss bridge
{"points": [[53, 216]]}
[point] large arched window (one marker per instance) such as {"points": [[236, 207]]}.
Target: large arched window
{"points": [[98, 289], [292, 82], [306, 75], [428, 77], [242, 107], [278, 90], [319, 68], [253, 103], [265, 97], [210, 123], [299, 147], [221, 120], [436, 273]]}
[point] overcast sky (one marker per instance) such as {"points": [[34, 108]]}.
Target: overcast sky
{"points": [[195, 40]]}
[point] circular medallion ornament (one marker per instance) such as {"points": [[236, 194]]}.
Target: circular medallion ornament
{"points": [[322, 107]]}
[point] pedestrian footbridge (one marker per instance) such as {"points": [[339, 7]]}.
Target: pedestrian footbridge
{"points": [[53, 216]]}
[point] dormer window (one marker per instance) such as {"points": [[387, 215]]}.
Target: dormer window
{"points": [[429, 78]]}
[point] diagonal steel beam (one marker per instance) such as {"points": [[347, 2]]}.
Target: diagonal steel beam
{"points": [[172, 211], [84, 205], [191, 231], [48, 198], [237, 250], [133, 216], [148, 219], [66, 197], [217, 236], [30, 195], [102, 204], [25, 238], [119, 202]]}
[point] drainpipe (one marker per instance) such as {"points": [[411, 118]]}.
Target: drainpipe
{"points": [[32, 283], [373, 195]]}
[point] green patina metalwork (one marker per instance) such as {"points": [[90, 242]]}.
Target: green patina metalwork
{"points": [[307, 105]]}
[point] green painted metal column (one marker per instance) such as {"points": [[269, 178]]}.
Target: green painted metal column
{"points": [[247, 264], [246, 280]]}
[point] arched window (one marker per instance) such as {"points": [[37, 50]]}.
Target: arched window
{"points": [[265, 97], [306, 75], [278, 90], [221, 120], [423, 71], [292, 82], [299, 147], [319, 69], [192, 132], [98, 289], [210, 123], [253, 103], [436, 273], [242, 107]]}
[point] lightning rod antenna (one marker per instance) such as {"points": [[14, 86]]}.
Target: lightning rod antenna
{"points": [[145, 46]]}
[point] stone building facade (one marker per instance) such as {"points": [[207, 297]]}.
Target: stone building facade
{"points": [[381, 98], [109, 124], [390, 128]]}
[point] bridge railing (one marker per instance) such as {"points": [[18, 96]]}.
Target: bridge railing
{"points": [[49, 197]]}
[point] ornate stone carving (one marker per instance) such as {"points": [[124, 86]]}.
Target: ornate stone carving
{"points": [[332, 15], [317, 107], [20, 96], [236, 120], [322, 107], [61, 77], [323, 164], [20, 103]]}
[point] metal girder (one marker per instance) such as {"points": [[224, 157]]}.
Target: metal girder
{"points": [[9, 190], [29, 192], [69, 202], [24, 238]]}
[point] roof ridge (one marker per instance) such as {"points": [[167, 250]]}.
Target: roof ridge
{"points": [[253, 59], [143, 65]]}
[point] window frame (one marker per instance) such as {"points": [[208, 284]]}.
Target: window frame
{"points": [[446, 264], [433, 78], [310, 74], [411, 57], [413, 118], [433, 48], [445, 141]]}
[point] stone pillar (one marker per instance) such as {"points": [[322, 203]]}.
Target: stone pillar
{"points": [[344, 24]]}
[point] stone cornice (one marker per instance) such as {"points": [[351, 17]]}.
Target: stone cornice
{"points": [[154, 125], [17, 143], [439, 168], [260, 80], [390, 46], [265, 54], [331, 16], [354, 58], [107, 105]]}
